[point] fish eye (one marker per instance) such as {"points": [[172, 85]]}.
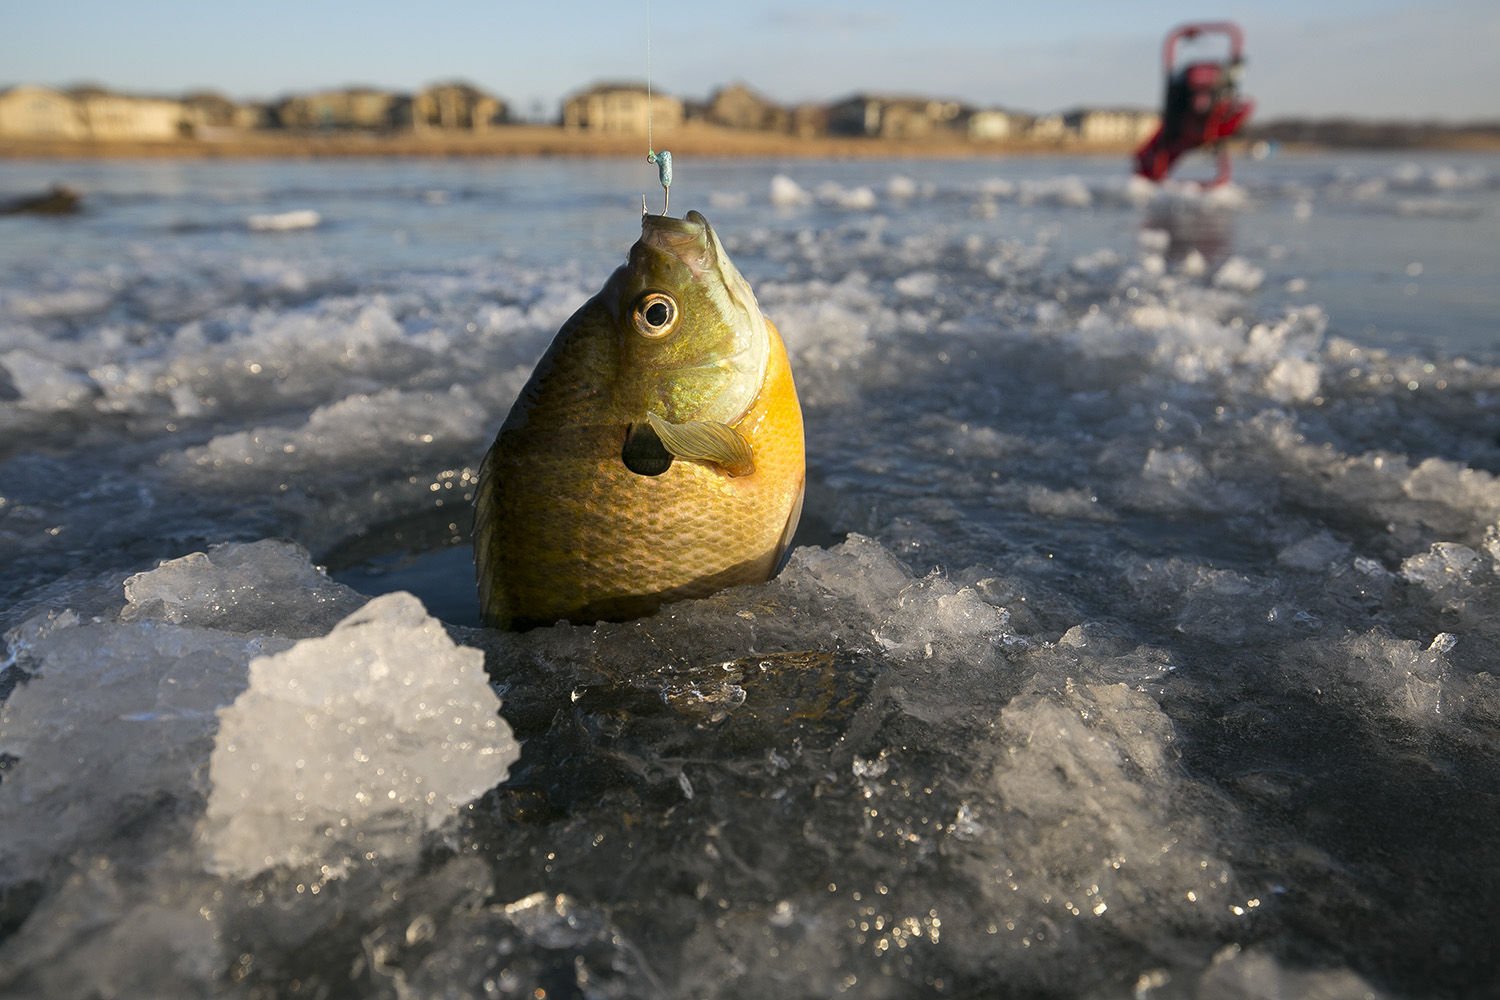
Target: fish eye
{"points": [[655, 315]]}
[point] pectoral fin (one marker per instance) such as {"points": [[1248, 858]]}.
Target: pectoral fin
{"points": [[706, 441]]}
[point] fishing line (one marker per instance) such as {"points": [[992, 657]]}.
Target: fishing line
{"points": [[649, 149], [663, 160]]}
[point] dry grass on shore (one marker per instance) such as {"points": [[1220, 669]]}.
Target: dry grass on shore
{"points": [[693, 139]]}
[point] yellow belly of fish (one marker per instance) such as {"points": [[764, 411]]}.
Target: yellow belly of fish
{"points": [[579, 536]]}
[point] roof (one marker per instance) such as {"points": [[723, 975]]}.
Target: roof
{"points": [[617, 87]]}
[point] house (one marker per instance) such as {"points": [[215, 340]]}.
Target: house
{"points": [[87, 113], [255, 115], [737, 106], [39, 113], [1111, 126], [110, 116], [1047, 128], [362, 109], [456, 105], [893, 117], [809, 120], [621, 108], [995, 125], [207, 114]]}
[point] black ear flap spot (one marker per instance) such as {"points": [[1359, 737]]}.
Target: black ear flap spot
{"points": [[644, 453]]}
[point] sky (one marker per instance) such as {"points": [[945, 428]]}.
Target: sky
{"points": [[1406, 59]]}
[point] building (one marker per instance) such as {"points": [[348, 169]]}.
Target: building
{"points": [[359, 109], [737, 106], [255, 115], [894, 117], [995, 125], [621, 108], [207, 114], [456, 106], [110, 116], [87, 113], [29, 112], [1047, 128], [1111, 126], [810, 120]]}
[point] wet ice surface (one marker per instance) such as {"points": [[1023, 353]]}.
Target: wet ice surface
{"points": [[1139, 641]]}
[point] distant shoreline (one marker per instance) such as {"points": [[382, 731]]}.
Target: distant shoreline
{"points": [[542, 141], [538, 141]]}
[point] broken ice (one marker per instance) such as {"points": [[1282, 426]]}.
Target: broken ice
{"points": [[382, 729], [1143, 615]]}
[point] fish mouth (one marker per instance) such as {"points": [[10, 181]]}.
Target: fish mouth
{"points": [[690, 239], [693, 242], [693, 222]]}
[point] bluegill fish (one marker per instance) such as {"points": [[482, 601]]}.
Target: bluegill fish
{"points": [[656, 452]]}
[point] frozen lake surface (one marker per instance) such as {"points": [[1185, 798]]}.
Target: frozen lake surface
{"points": [[1140, 640]]}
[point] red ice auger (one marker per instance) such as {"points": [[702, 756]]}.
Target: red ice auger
{"points": [[1203, 106]]}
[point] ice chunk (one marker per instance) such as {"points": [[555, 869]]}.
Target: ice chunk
{"points": [[1256, 975], [1080, 504], [97, 934], [115, 722], [1193, 263], [353, 744], [1139, 190], [865, 593], [1410, 681], [44, 384], [1290, 348], [1205, 600], [1294, 380], [919, 285], [1440, 481], [947, 635], [1176, 476], [1444, 566], [268, 586], [901, 187], [1455, 578], [1299, 333], [361, 430], [787, 192], [997, 187], [282, 222], [1239, 274], [1097, 822], [1095, 263], [860, 198], [1315, 553], [1225, 196], [829, 326], [1068, 191], [136, 699], [1417, 177], [1159, 240]]}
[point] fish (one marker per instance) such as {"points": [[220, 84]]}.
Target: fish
{"points": [[655, 454]]}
